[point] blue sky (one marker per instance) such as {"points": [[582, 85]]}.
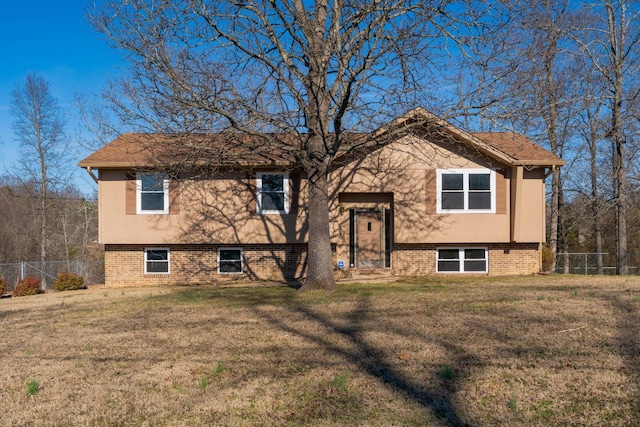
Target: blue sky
{"points": [[53, 40]]}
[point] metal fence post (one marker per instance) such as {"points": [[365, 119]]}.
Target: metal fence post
{"points": [[586, 264]]}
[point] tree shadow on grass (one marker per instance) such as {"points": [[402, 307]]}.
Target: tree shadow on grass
{"points": [[628, 339], [373, 361]]}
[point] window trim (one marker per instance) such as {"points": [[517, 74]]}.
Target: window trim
{"points": [[165, 191], [465, 188], [461, 259], [286, 191], [241, 260], [146, 250]]}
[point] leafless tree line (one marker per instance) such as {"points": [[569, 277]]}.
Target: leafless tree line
{"points": [[71, 223], [566, 74]]}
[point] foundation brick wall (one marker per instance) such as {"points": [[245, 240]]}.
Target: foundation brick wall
{"points": [[504, 258], [515, 258], [193, 264]]}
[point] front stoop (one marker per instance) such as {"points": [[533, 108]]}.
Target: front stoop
{"points": [[379, 275]]}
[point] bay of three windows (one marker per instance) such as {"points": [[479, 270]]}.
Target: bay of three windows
{"points": [[458, 191]]}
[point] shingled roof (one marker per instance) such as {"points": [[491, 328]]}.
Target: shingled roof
{"points": [[137, 150], [132, 150], [520, 148]]}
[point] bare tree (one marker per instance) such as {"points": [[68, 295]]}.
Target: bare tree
{"points": [[524, 79], [592, 123], [38, 125], [553, 97], [612, 44], [308, 70]]}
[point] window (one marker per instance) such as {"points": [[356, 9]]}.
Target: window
{"points": [[156, 261], [152, 194], [230, 261], [462, 260], [273, 193], [466, 190]]}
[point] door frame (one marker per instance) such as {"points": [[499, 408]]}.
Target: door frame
{"points": [[386, 228]]}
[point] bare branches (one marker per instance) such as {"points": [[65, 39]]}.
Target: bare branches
{"points": [[38, 125], [314, 71]]}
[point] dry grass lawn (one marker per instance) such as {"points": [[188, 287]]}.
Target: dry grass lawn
{"points": [[464, 351]]}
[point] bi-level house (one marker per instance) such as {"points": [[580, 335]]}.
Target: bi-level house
{"points": [[435, 200]]}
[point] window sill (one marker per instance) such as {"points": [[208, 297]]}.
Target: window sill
{"points": [[448, 212]]}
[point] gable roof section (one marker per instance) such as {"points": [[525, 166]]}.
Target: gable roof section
{"points": [[137, 150], [509, 148]]}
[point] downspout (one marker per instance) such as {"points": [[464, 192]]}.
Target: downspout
{"points": [[550, 171], [517, 174]]}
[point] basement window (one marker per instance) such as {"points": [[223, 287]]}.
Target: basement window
{"points": [[462, 260], [230, 261], [156, 261]]}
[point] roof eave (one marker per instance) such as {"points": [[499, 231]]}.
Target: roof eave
{"points": [[108, 165], [540, 163], [133, 165]]}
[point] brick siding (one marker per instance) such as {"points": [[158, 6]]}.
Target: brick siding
{"points": [[193, 264], [504, 258]]}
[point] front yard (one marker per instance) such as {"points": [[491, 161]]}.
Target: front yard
{"points": [[540, 350]]}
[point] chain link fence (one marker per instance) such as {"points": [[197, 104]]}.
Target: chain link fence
{"points": [[91, 271], [587, 263]]}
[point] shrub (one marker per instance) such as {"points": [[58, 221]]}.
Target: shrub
{"points": [[68, 282], [547, 259], [30, 285], [4, 286]]}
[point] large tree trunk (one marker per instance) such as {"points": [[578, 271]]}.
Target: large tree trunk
{"points": [[622, 265], [319, 262], [43, 205], [551, 118], [318, 156], [598, 236], [563, 243], [554, 218], [595, 205], [617, 40]]}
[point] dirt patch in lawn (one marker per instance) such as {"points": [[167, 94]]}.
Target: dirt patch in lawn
{"points": [[454, 351]]}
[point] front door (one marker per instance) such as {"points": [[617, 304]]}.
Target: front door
{"points": [[369, 239]]}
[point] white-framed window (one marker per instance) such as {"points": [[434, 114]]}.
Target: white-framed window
{"points": [[230, 261], [466, 191], [272, 193], [462, 260], [156, 261], [152, 193]]}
